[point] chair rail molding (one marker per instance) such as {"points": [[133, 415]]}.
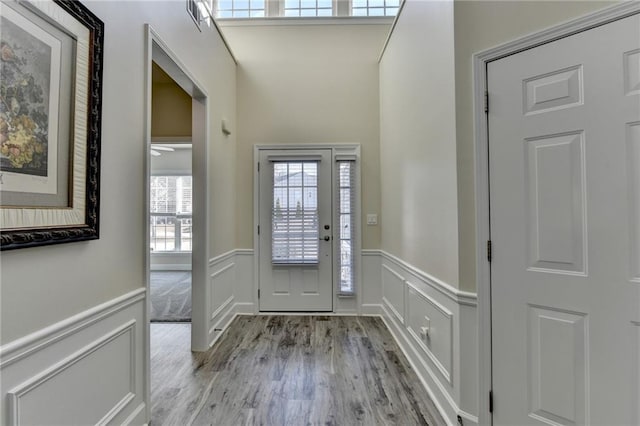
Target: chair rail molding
{"points": [[434, 325], [60, 369]]}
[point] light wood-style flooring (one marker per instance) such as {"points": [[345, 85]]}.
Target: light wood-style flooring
{"points": [[287, 370]]}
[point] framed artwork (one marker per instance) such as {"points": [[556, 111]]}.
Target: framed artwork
{"points": [[51, 62]]}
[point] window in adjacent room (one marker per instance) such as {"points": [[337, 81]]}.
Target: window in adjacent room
{"points": [[171, 207]]}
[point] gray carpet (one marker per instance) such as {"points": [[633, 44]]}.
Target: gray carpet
{"points": [[170, 296]]}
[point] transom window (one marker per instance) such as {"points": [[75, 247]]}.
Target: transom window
{"points": [[304, 8], [308, 7], [171, 208], [294, 217], [240, 9], [374, 7]]}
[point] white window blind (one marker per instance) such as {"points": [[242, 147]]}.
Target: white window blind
{"points": [[346, 213], [294, 219], [171, 206]]}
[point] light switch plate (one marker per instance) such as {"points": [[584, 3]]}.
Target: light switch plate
{"points": [[372, 219]]}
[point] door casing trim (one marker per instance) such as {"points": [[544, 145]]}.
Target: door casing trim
{"points": [[336, 149], [481, 142]]}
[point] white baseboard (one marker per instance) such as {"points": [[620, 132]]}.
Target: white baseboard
{"points": [[230, 290], [93, 362], [409, 298], [221, 322], [137, 416], [427, 378], [372, 310]]}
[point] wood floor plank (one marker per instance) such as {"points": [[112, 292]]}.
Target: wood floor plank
{"points": [[287, 370]]}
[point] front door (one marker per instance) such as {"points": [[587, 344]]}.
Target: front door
{"points": [[295, 235], [564, 149]]}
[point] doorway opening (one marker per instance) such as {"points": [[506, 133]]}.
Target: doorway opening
{"points": [[171, 230], [177, 200]]}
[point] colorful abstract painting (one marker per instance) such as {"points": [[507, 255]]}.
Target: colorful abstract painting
{"points": [[25, 76]]}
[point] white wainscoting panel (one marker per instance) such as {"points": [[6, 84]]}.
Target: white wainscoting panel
{"points": [[231, 290], [88, 369], [243, 290], [371, 294], [411, 300], [436, 339], [393, 291], [222, 279]]}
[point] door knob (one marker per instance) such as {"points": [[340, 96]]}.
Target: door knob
{"points": [[326, 238]]}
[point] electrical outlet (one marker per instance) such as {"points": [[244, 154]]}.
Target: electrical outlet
{"points": [[372, 219], [425, 330]]}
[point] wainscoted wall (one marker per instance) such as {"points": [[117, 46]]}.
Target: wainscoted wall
{"points": [[87, 369], [371, 290], [435, 324], [230, 289]]}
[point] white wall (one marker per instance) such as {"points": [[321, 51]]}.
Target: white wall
{"points": [[58, 281], [428, 176], [479, 25], [44, 288], [418, 141], [302, 84]]}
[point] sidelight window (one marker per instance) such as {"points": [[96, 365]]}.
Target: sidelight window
{"points": [[346, 216]]}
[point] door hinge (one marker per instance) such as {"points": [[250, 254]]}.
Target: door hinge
{"points": [[258, 229], [258, 293], [258, 166], [489, 250], [491, 401], [486, 102]]}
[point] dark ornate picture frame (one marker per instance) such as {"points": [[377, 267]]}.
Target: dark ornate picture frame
{"points": [[49, 227]]}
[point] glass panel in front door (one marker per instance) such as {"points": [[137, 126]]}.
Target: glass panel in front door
{"points": [[294, 213]]}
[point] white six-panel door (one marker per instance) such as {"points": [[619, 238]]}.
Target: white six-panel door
{"points": [[564, 148], [295, 240]]}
